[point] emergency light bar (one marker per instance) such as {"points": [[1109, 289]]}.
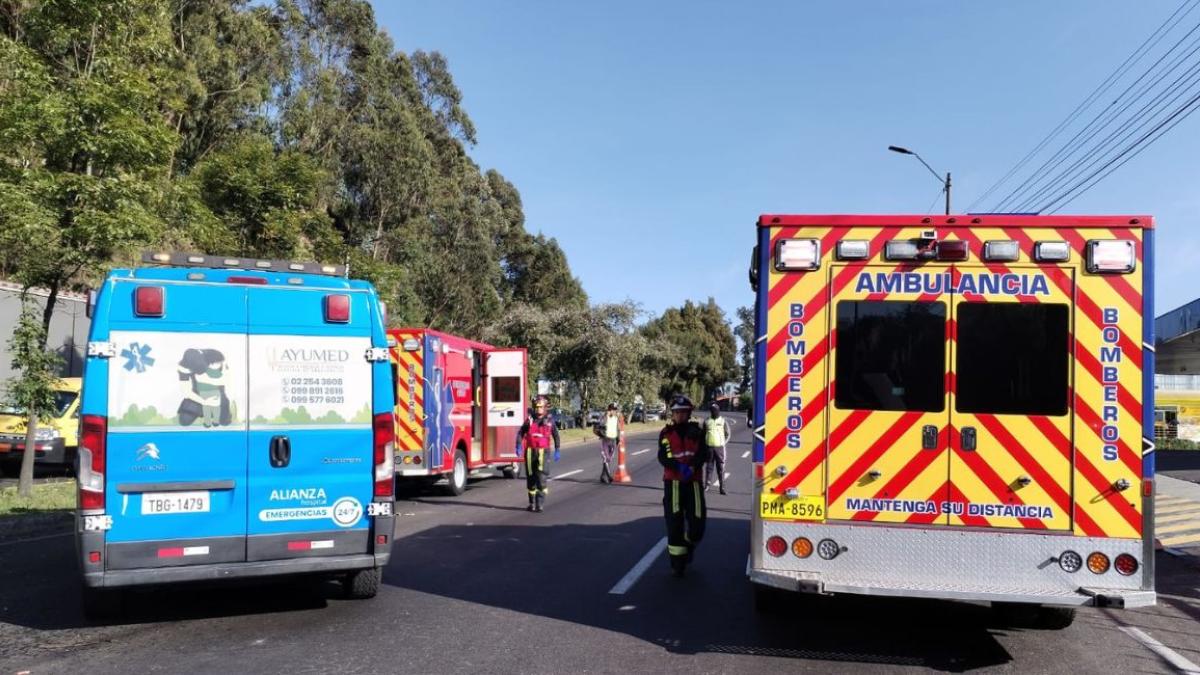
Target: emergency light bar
{"points": [[1051, 251], [853, 249], [1110, 256], [797, 255], [222, 262], [1001, 251]]}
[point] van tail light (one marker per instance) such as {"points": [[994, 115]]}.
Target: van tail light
{"points": [[148, 301], [337, 308], [385, 448], [92, 446]]}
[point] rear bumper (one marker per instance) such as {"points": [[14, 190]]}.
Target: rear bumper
{"points": [[811, 582], [46, 452], [234, 570]]}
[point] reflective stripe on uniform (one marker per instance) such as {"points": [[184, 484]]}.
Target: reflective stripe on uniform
{"points": [[676, 550], [674, 496], [696, 496]]}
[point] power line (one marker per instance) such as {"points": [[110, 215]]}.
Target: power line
{"points": [[1104, 86], [1180, 114], [1106, 114], [936, 199], [1158, 104]]}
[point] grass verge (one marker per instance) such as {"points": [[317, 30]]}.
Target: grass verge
{"points": [[573, 436], [47, 498]]}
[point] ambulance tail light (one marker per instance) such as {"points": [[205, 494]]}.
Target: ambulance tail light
{"points": [[853, 249], [1001, 251], [777, 546], [385, 448], [1125, 564], [797, 255], [92, 446], [1098, 563], [337, 308], [802, 547], [148, 301], [1110, 256], [1051, 251], [953, 250], [901, 249]]}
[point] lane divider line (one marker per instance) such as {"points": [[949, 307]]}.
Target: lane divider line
{"points": [[1164, 652], [634, 454], [745, 454], [631, 577], [564, 475]]}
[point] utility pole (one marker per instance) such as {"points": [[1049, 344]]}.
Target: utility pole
{"points": [[938, 176]]}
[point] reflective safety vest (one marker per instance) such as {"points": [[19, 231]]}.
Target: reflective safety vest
{"points": [[714, 432], [612, 426], [541, 432], [682, 443]]}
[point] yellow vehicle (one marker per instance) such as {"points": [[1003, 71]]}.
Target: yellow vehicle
{"points": [[56, 439], [955, 407]]}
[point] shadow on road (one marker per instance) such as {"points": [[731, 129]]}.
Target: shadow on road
{"points": [[711, 611]]}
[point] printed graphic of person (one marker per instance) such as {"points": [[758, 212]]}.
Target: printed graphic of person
{"points": [[201, 379]]}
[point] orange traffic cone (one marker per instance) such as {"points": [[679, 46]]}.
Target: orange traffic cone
{"points": [[622, 474]]}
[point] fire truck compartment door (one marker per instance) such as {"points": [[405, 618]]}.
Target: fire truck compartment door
{"points": [[888, 404], [1011, 409]]}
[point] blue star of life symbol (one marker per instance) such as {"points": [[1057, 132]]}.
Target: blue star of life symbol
{"points": [[137, 357]]}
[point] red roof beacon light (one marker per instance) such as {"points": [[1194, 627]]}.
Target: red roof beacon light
{"points": [[953, 250], [148, 301], [337, 308]]}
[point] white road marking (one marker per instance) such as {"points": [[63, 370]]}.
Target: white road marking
{"points": [[33, 539], [1166, 653], [727, 474], [631, 577], [564, 475], [745, 454], [639, 452]]}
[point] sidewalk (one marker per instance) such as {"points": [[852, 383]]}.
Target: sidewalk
{"points": [[1177, 516]]}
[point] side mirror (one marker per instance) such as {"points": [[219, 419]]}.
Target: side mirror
{"points": [[754, 269]]}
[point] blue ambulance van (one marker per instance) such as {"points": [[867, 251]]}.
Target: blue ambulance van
{"points": [[237, 421]]}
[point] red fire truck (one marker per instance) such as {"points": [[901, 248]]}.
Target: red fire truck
{"points": [[459, 405]]}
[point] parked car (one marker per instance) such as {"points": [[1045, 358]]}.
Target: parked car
{"points": [[638, 414], [656, 413], [563, 419], [594, 416]]}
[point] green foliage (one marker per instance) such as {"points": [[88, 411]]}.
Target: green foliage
{"points": [[1177, 444], [147, 416], [703, 353], [32, 389]]}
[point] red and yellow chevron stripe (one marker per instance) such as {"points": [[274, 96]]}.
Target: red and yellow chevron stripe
{"points": [[410, 388], [1071, 463]]}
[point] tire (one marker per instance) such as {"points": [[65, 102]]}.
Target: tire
{"points": [[1055, 618], [510, 472], [99, 603], [768, 600], [456, 482], [362, 585]]}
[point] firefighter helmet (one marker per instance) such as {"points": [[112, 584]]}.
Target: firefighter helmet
{"points": [[682, 402]]}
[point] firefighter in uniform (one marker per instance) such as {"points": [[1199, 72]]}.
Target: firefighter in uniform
{"points": [[682, 451], [537, 433], [716, 435]]}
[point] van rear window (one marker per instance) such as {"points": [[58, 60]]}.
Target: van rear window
{"points": [[506, 390], [1012, 358], [890, 355]]}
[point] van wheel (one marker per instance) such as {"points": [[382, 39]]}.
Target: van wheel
{"points": [[456, 482], [99, 603], [510, 472], [362, 584]]}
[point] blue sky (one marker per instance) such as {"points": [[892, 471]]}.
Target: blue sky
{"points": [[647, 136]]}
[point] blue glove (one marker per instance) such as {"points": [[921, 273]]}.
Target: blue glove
{"points": [[556, 454], [518, 449], [686, 472]]}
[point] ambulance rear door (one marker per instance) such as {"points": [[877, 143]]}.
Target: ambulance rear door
{"points": [[888, 403]]}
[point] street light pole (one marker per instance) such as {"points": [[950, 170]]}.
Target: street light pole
{"points": [[945, 183]]}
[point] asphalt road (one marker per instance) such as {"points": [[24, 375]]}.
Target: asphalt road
{"points": [[479, 585]]}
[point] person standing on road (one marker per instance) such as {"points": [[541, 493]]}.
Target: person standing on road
{"points": [[716, 435], [610, 429], [682, 452], [538, 431]]}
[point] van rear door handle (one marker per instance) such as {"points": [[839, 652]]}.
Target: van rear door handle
{"points": [[929, 437], [280, 451], [968, 439]]}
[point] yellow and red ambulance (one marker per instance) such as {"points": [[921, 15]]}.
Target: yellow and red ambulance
{"points": [[955, 407]]}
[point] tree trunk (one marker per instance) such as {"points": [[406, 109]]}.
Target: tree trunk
{"points": [[48, 313], [25, 483]]}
